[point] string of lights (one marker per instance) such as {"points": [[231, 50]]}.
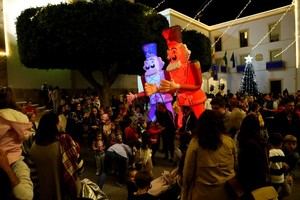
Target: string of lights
{"points": [[198, 14], [157, 6], [274, 26], [228, 27], [286, 48]]}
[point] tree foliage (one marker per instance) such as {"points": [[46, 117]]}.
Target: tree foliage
{"points": [[93, 36], [200, 47]]}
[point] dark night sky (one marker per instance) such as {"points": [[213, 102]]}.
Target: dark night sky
{"points": [[218, 10]]}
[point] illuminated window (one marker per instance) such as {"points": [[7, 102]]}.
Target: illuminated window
{"points": [[275, 34], [218, 45], [273, 53], [244, 35]]}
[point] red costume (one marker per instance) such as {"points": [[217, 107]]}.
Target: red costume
{"points": [[189, 75]]}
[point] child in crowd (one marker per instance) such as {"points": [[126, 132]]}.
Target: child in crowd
{"points": [[99, 149], [15, 127], [29, 108], [131, 186], [143, 182], [154, 131], [277, 161], [107, 130], [143, 157]]}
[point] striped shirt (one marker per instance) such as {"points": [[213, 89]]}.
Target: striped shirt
{"points": [[276, 158]]}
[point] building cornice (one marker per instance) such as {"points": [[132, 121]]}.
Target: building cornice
{"points": [[170, 12], [257, 16]]}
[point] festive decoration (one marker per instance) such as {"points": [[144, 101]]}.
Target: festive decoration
{"points": [[274, 26], [185, 76], [286, 48], [198, 14], [228, 27], [153, 75], [248, 59], [248, 82], [157, 6]]}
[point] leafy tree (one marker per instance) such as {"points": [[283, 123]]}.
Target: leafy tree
{"points": [[200, 47]]}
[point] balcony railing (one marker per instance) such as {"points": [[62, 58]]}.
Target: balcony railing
{"points": [[223, 69], [240, 68], [275, 65]]}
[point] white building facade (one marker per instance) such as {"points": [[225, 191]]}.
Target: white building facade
{"points": [[275, 71]]}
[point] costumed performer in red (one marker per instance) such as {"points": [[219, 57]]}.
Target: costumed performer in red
{"points": [[185, 75], [154, 73]]}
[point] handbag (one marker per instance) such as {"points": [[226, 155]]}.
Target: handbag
{"points": [[92, 191], [265, 193], [163, 183], [158, 186]]}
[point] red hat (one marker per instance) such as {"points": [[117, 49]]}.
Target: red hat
{"points": [[172, 34]]}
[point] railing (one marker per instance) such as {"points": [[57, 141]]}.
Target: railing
{"points": [[275, 65]]}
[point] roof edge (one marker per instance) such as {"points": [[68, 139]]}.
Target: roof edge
{"points": [[170, 11], [251, 17]]}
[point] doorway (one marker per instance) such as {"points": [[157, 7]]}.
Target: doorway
{"points": [[275, 87]]}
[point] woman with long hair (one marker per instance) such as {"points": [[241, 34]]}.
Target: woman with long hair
{"points": [[209, 160], [253, 171], [57, 160], [93, 125]]}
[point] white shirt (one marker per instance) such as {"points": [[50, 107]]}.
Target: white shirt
{"points": [[120, 149]]}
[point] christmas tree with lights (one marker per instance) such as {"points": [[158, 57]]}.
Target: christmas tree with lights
{"points": [[248, 82]]}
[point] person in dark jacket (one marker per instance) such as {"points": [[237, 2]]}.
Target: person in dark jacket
{"points": [[252, 170], [165, 119]]}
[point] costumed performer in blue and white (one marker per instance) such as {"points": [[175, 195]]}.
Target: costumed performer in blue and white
{"points": [[154, 73]]}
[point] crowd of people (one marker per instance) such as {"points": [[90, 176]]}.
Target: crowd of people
{"points": [[250, 139]]}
